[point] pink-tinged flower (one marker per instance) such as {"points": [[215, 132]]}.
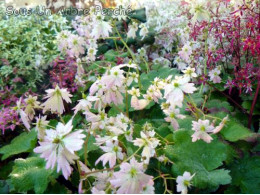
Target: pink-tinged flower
{"points": [[131, 178], [149, 188], [184, 182], [98, 121], [59, 146], [221, 125], [138, 104], [174, 92], [185, 52], [31, 104], [149, 143], [202, 128], [172, 115], [113, 77], [41, 124], [71, 44], [75, 46], [214, 75], [113, 151], [23, 115], [55, 99]]}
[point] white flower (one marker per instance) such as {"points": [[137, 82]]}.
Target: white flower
{"points": [[202, 128], [174, 92], [155, 93], [91, 54], [172, 115], [199, 12], [101, 28], [113, 151], [190, 73], [132, 30], [59, 146], [163, 159], [180, 63], [144, 30], [131, 178], [184, 182], [84, 104], [149, 143], [55, 99], [94, 190], [133, 76], [134, 92]]}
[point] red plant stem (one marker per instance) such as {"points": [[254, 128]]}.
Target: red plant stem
{"points": [[244, 111], [253, 104]]}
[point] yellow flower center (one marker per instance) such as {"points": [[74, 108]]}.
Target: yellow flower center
{"points": [[186, 183], [203, 128], [133, 172], [56, 141], [176, 84]]}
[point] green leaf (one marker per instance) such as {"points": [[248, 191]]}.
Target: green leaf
{"points": [[246, 175], [233, 131], [25, 142], [111, 55], [200, 158], [215, 105], [30, 174], [138, 14]]}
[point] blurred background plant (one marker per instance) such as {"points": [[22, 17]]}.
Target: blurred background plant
{"points": [[27, 46]]}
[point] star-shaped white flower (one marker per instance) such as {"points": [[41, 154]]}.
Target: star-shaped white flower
{"points": [[55, 99]]}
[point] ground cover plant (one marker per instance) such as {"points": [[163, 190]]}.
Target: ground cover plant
{"points": [[164, 99]]}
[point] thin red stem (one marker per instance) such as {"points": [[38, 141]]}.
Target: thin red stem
{"points": [[253, 104]]}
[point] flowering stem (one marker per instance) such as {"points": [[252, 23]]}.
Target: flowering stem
{"points": [[200, 111], [126, 102], [132, 55], [61, 119], [126, 96], [253, 105]]}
